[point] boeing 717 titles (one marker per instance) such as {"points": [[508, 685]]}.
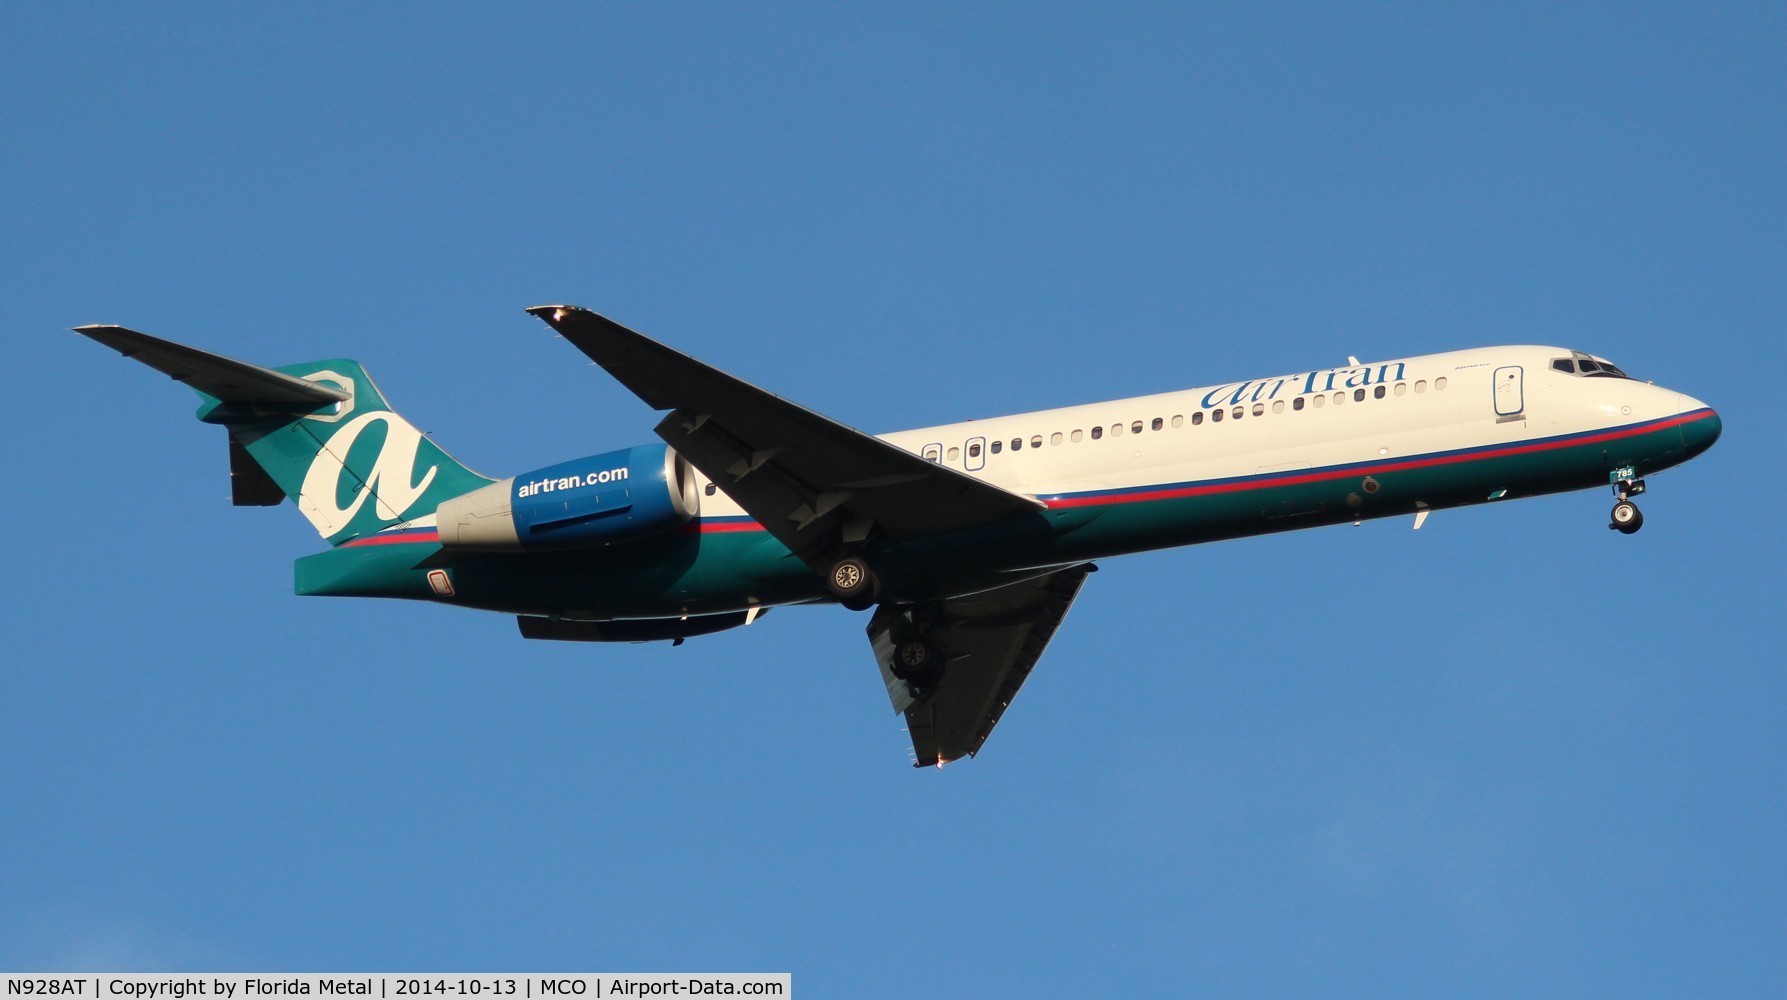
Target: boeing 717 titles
{"points": [[968, 540]]}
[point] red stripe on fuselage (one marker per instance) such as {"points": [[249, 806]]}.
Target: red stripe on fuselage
{"points": [[1143, 494], [395, 538], [721, 527]]}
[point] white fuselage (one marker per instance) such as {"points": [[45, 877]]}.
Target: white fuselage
{"points": [[1308, 420]]}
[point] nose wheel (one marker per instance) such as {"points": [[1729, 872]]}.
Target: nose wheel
{"points": [[1626, 517]]}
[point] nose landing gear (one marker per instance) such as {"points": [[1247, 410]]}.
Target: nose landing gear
{"points": [[1626, 517]]}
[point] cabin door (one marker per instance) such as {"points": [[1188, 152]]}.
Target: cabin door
{"points": [[1510, 396]]}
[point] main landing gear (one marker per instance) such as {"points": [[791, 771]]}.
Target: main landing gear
{"points": [[1626, 517], [854, 585], [916, 662]]}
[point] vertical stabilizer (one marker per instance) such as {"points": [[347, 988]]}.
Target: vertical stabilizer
{"points": [[321, 433]]}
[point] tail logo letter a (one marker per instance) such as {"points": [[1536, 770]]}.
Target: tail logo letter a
{"points": [[389, 483]]}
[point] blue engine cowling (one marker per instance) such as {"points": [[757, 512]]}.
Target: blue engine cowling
{"points": [[600, 500]]}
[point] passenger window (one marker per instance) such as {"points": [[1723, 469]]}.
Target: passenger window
{"points": [[1055, 438], [1036, 441], [1439, 383], [974, 450], [955, 454], [1297, 404], [1157, 424], [1116, 430], [996, 446], [1017, 444], [1421, 385], [1135, 428], [1318, 401], [1097, 432], [1402, 388], [1238, 412], [1197, 418], [1259, 409], [1278, 406], [1216, 416], [1076, 436], [1339, 398], [1358, 395], [712, 489]]}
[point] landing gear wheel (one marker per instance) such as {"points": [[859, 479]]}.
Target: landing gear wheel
{"points": [[916, 663], [1627, 518], [853, 584]]}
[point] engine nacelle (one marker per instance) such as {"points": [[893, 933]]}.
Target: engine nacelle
{"points": [[588, 502]]}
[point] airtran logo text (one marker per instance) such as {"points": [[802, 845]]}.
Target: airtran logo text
{"points": [[551, 483], [1326, 380]]}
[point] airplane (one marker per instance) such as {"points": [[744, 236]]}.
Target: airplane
{"points": [[969, 540]]}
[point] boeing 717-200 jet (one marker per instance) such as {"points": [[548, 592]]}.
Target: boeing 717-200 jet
{"points": [[968, 540]]}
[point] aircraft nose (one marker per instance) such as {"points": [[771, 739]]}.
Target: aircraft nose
{"points": [[1701, 428]]}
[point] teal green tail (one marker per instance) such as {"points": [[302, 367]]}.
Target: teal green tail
{"points": [[320, 433]]}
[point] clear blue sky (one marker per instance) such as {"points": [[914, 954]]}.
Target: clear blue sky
{"points": [[1512, 754]]}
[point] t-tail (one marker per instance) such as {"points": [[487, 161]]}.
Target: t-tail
{"points": [[319, 433]]}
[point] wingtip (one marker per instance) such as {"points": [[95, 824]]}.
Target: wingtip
{"points": [[554, 314]]}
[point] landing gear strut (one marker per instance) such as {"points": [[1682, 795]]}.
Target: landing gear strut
{"points": [[1626, 517]]}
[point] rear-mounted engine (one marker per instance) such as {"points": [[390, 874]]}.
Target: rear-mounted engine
{"points": [[588, 502]]}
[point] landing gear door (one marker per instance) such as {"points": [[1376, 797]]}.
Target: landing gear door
{"points": [[1510, 396]]}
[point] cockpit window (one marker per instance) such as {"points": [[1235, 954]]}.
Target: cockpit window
{"points": [[1581, 364]]}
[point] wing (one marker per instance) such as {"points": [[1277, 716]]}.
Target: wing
{"points": [[984, 643], [806, 478]]}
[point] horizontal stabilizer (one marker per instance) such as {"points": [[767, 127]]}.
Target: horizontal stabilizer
{"points": [[214, 375]]}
